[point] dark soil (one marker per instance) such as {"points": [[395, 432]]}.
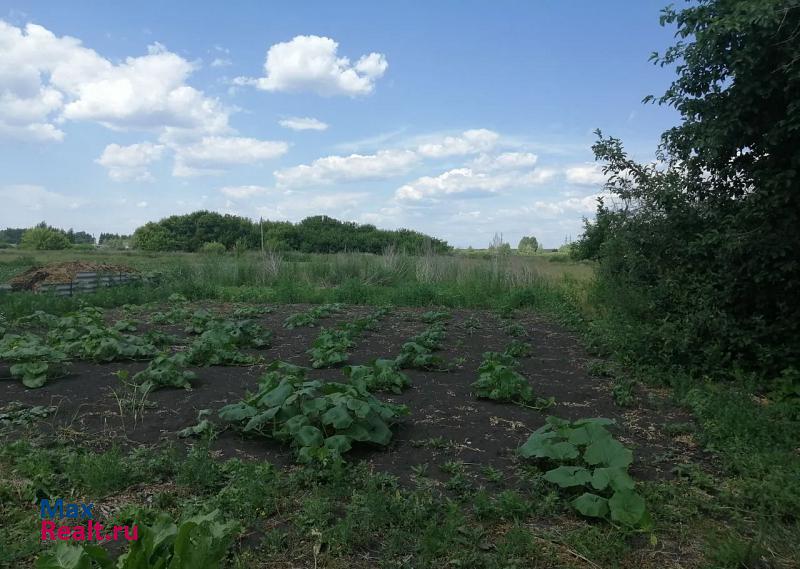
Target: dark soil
{"points": [[446, 422]]}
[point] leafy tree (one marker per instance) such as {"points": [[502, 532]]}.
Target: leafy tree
{"points": [[320, 234], [528, 246], [79, 237], [12, 235], [44, 238], [705, 242]]}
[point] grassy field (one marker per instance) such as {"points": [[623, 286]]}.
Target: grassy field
{"points": [[716, 467]]}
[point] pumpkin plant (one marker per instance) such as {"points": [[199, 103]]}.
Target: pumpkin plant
{"points": [[379, 375], [589, 458], [320, 420]]}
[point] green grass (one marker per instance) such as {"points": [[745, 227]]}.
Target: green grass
{"points": [[352, 278]]}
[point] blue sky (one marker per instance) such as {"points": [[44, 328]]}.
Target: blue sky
{"points": [[460, 119]]}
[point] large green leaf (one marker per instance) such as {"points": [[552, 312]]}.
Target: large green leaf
{"points": [[277, 396], [339, 443], [608, 452], [64, 556], [567, 476], [627, 507], [309, 436], [591, 505], [338, 417], [237, 412], [615, 477], [588, 433], [257, 421]]}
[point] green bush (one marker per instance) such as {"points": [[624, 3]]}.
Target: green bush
{"points": [[44, 238], [213, 248]]}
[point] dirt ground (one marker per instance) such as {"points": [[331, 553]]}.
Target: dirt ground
{"points": [[446, 421]]}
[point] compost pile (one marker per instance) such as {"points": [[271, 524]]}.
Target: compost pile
{"points": [[58, 273]]}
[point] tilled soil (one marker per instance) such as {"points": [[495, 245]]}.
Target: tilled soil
{"points": [[446, 421]]}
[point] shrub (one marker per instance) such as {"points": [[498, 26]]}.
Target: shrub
{"points": [[44, 238], [213, 248]]}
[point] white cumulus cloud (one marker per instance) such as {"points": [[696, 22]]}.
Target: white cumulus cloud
{"points": [[303, 123], [486, 174], [468, 142], [242, 192], [215, 153], [313, 64], [46, 79], [330, 169], [126, 163], [586, 175]]}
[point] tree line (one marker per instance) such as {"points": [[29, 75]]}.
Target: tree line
{"points": [[318, 234], [43, 236]]}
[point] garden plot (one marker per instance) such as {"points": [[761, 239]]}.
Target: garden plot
{"points": [[151, 371]]}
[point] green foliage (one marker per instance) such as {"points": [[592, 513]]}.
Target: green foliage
{"points": [[33, 361], [251, 311], [379, 375], [436, 316], [44, 238], [514, 330], [320, 420], [203, 428], [15, 413], [213, 248], [198, 321], [100, 344], [311, 316], [165, 371], [686, 257], [499, 381], [518, 349], [417, 352], [200, 541], [330, 348], [528, 246], [590, 458], [622, 392], [217, 347], [320, 234]]}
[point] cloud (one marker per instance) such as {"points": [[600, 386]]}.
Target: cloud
{"points": [[330, 169], [469, 142], [392, 162], [242, 192], [46, 80], [485, 175], [312, 64], [214, 153], [586, 175], [221, 62], [126, 163], [36, 199], [506, 161], [303, 123]]}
